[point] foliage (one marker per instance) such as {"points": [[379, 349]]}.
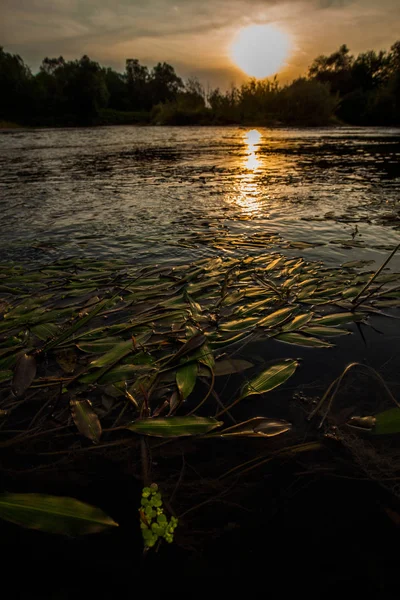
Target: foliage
{"points": [[306, 102], [53, 514], [153, 521], [115, 354], [361, 89], [367, 85], [151, 343]]}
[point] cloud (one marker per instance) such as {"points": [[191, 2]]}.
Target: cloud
{"points": [[194, 36]]}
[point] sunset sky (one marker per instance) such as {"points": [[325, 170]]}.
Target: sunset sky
{"points": [[194, 36]]}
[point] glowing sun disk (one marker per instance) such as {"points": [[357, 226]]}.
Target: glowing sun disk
{"points": [[260, 50]]}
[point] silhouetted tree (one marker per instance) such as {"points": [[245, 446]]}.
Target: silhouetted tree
{"points": [[117, 90], [363, 89], [164, 83], [137, 81], [16, 88], [334, 70], [306, 102]]}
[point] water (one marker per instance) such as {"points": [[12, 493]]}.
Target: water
{"points": [[176, 194], [158, 194]]}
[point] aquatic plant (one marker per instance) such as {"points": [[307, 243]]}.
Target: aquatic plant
{"points": [[116, 356], [153, 521]]}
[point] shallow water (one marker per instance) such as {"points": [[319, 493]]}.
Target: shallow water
{"points": [[157, 193]]}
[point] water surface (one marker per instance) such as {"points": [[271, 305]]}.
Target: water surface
{"points": [[158, 193]]}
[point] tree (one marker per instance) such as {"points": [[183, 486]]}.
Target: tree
{"points": [[334, 70], [117, 89], [16, 85], [137, 81], [85, 90], [164, 83], [370, 70], [193, 96], [306, 102]]}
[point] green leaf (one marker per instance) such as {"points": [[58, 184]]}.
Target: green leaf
{"points": [[275, 318], [256, 427], [192, 344], [67, 359], [306, 292], [387, 303], [302, 340], [351, 292], [186, 379], [357, 264], [86, 420], [98, 346], [222, 343], [230, 366], [114, 355], [277, 262], [338, 318], [171, 427], [77, 325], [271, 378], [24, 374], [387, 422], [325, 331], [239, 324], [54, 514], [297, 322], [44, 331], [205, 356], [121, 373]]}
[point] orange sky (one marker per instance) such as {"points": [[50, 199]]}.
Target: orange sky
{"points": [[193, 36]]}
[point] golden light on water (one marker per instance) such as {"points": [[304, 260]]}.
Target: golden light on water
{"points": [[252, 139], [260, 50], [248, 199]]}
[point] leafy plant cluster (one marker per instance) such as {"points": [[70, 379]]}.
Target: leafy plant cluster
{"points": [[101, 350], [153, 521], [357, 90], [148, 340]]}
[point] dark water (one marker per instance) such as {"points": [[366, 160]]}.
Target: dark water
{"points": [[156, 194], [143, 193], [166, 194]]}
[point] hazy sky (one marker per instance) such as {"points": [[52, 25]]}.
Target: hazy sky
{"points": [[194, 36]]}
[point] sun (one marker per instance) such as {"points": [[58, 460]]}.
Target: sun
{"points": [[260, 50]]}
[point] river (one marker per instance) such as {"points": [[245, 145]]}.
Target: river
{"points": [[154, 194]]}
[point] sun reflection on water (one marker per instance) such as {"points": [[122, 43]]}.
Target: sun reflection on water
{"points": [[248, 198], [252, 139]]}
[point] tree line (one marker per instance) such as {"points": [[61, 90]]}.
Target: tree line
{"points": [[339, 88]]}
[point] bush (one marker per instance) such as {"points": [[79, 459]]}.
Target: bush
{"points": [[307, 102]]}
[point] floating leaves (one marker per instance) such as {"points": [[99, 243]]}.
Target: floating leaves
{"points": [[174, 426], [24, 374], [276, 317], [115, 354], [271, 378], [299, 339], [256, 427], [337, 319], [186, 379], [53, 514], [67, 359], [86, 420], [229, 366], [109, 330], [387, 422]]}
